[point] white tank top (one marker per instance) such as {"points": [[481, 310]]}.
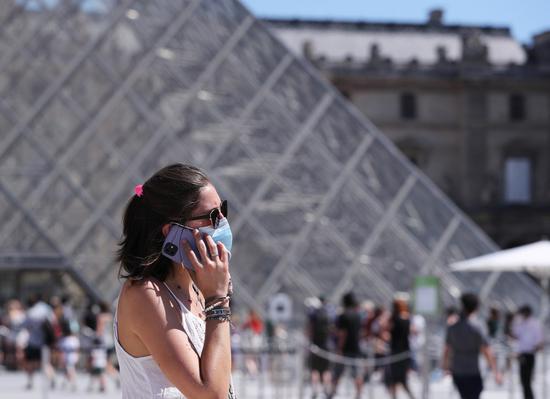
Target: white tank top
{"points": [[141, 377]]}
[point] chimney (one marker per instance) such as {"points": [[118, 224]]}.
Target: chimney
{"points": [[307, 49], [435, 17], [441, 52], [374, 52], [474, 50]]}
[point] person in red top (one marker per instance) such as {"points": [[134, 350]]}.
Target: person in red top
{"points": [[254, 323], [253, 328]]}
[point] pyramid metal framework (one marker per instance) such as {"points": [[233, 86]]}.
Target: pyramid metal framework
{"points": [[97, 95]]}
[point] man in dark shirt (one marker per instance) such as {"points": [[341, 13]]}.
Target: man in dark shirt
{"points": [[464, 342], [319, 333], [348, 326]]}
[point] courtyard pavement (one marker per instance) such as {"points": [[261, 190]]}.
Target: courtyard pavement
{"points": [[12, 386]]}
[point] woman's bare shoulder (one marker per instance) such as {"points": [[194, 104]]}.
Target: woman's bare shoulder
{"points": [[142, 294], [140, 287], [146, 303]]}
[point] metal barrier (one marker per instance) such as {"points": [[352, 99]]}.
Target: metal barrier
{"points": [[273, 372], [281, 370], [284, 372]]}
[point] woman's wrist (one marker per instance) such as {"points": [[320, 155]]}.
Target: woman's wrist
{"points": [[220, 313], [213, 294], [213, 298], [216, 303]]}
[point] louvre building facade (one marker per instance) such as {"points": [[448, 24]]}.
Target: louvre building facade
{"points": [[467, 104], [97, 95]]}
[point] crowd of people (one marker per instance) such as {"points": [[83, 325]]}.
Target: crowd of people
{"points": [[390, 339], [360, 331], [49, 335], [392, 342], [84, 341]]}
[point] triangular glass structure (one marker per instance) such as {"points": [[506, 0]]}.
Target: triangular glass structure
{"points": [[96, 95]]}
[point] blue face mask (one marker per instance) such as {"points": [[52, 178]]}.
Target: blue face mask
{"points": [[221, 234]]}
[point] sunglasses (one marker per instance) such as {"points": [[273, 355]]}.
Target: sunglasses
{"points": [[214, 215]]}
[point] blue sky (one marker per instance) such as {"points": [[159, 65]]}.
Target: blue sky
{"points": [[524, 17]]}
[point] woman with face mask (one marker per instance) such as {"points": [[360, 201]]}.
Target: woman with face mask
{"points": [[172, 322]]}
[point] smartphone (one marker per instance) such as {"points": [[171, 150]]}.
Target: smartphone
{"points": [[173, 248]]}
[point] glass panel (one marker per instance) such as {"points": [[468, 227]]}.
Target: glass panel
{"points": [[298, 91], [426, 224], [340, 133], [322, 260], [268, 130], [367, 288], [88, 86], [240, 172], [23, 167], [56, 125], [381, 173], [253, 261], [60, 212], [93, 168], [308, 172], [395, 261], [228, 90], [259, 53], [94, 256], [18, 235], [465, 244], [281, 212], [352, 216]]}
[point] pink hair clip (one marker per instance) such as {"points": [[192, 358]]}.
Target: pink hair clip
{"points": [[138, 190]]}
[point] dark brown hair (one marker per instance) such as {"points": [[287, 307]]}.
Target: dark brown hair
{"points": [[171, 194], [399, 305], [470, 303]]}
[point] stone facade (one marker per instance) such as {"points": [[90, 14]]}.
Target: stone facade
{"points": [[473, 113]]}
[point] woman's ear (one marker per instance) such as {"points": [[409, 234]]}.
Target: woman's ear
{"points": [[165, 229]]}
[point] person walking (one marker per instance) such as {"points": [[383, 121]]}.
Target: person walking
{"points": [[377, 336], [13, 320], [318, 332], [98, 364], [528, 332], [104, 331], [253, 329], [464, 342], [493, 322], [348, 327], [400, 329], [38, 324], [69, 347]]}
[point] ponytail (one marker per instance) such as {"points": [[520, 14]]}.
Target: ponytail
{"points": [[171, 194]]}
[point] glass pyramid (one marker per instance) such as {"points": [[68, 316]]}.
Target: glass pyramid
{"points": [[97, 95]]}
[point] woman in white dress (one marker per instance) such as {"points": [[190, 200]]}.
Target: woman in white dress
{"points": [[171, 326]]}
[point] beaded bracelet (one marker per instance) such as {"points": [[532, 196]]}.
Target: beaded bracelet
{"points": [[218, 311], [215, 298], [215, 304], [211, 299]]}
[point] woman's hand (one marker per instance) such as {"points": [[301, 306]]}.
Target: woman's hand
{"points": [[212, 271]]}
